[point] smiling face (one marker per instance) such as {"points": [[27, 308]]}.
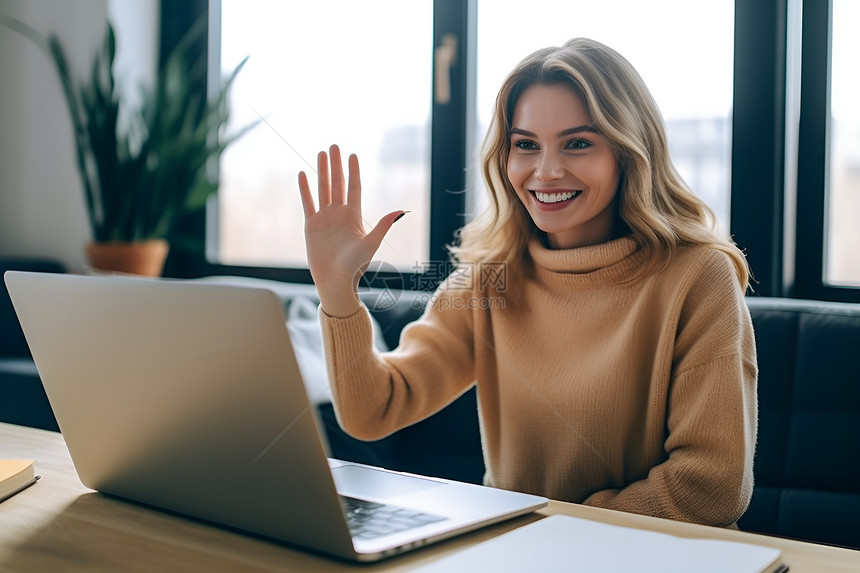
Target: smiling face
{"points": [[562, 170]]}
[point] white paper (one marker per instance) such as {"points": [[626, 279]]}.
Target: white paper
{"points": [[570, 544]]}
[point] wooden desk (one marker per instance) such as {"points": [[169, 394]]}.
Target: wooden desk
{"points": [[59, 525]]}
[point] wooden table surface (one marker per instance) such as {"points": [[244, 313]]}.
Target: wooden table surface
{"points": [[59, 525]]}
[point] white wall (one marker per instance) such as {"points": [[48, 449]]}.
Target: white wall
{"points": [[136, 23], [42, 210]]}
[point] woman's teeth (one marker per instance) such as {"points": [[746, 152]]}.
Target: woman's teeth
{"points": [[555, 197]]}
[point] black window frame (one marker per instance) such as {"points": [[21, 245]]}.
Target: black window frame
{"points": [[777, 219], [448, 164], [769, 208], [813, 157]]}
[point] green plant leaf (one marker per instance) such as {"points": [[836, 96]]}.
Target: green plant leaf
{"points": [[137, 184]]}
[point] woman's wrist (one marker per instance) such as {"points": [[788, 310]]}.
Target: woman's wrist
{"points": [[339, 302]]}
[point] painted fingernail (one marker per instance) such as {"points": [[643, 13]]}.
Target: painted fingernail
{"points": [[400, 216]]}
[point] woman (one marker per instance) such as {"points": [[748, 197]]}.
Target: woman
{"points": [[620, 370]]}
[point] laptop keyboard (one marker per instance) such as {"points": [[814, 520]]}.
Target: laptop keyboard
{"points": [[368, 519]]}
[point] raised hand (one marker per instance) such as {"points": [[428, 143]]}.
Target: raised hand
{"points": [[338, 247]]}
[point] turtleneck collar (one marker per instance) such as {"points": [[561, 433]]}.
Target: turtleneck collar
{"points": [[613, 260]]}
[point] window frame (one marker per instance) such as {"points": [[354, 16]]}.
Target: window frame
{"points": [[758, 141], [779, 174], [813, 172], [450, 142]]}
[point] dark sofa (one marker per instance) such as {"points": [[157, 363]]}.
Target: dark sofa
{"points": [[22, 399], [807, 464]]}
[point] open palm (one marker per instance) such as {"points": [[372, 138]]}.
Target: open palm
{"points": [[338, 246]]}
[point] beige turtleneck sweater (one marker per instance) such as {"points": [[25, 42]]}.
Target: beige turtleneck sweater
{"points": [[635, 395]]}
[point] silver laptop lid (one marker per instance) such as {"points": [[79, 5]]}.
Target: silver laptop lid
{"points": [[156, 387]]}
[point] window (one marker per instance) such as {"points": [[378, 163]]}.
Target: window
{"points": [[340, 83], [842, 262], [757, 98], [828, 186], [315, 78]]}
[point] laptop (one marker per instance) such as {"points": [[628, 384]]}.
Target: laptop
{"points": [[187, 396]]}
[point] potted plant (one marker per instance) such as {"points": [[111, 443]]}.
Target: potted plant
{"points": [[139, 180]]}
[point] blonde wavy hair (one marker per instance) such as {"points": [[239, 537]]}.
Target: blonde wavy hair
{"points": [[659, 209]]}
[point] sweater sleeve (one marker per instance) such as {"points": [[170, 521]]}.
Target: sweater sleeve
{"points": [[375, 394], [711, 412]]}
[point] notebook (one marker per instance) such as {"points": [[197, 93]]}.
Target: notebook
{"points": [[571, 544], [187, 396], [16, 476]]}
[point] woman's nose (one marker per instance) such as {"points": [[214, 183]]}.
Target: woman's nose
{"points": [[549, 167]]}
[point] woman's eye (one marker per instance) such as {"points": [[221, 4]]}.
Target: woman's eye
{"points": [[578, 144], [526, 145]]}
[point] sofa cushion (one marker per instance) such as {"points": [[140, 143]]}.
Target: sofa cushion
{"points": [[22, 396], [807, 465]]}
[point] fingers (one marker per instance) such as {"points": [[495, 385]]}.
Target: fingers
{"points": [[323, 186], [305, 192], [331, 185], [354, 196], [382, 227], [337, 184]]}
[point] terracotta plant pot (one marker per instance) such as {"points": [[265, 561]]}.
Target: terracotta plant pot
{"points": [[144, 258]]}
